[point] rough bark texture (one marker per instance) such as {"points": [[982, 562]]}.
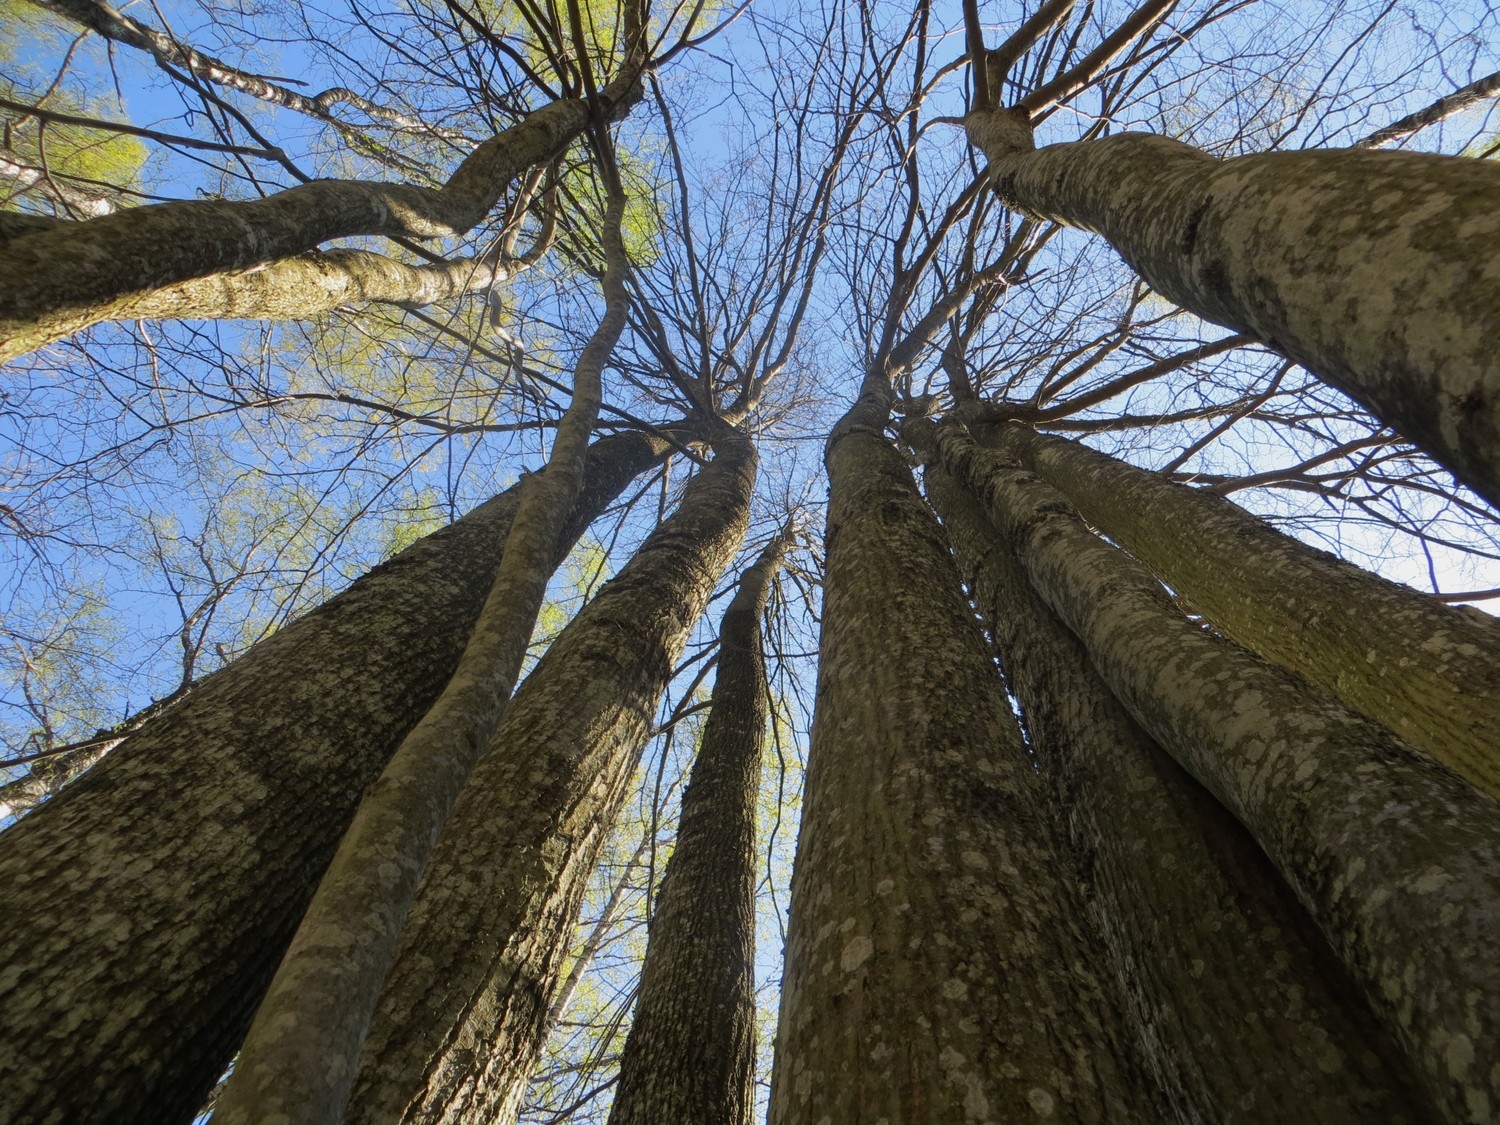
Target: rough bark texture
{"points": [[1396, 857], [458, 1025], [935, 971], [690, 1056], [1375, 270], [299, 1058], [147, 906], [1428, 671], [1228, 980], [59, 281]]}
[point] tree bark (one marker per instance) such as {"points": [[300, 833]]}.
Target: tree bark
{"points": [[1228, 980], [458, 1025], [1396, 857], [690, 1056], [936, 970], [1426, 670], [147, 905], [299, 1058], [59, 281], [1375, 270]]}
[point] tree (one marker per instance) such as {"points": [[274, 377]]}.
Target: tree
{"points": [[836, 225], [690, 1054]]}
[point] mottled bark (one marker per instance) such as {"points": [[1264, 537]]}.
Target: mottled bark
{"points": [[1228, 980], [47, 777], [1396, 857], [1428, 671], [59, 281], [690, 1056], [458, 1026], [147, 905], [311, 284], [299, 1059], [936, 971], [1375, 270]]}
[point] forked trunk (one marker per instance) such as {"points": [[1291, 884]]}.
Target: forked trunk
{"points": [[458, 1026]]}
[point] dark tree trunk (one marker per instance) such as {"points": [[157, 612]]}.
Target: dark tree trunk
{"points": [[690, 1056], [1428, 671], [1396, 857], [1376, 270], [146, 907], [1228, 979], [458, 1026], [936, 970]]}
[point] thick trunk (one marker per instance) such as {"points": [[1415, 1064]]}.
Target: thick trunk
{"points": [[299, 1059], [1396, 857], [458, 1025], [147, 905], [59, 281], [1227, 978], [1375, 270], [690, 1055], [1428, 671], [935, 968]]}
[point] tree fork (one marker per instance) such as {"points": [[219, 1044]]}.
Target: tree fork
{"points": [[134, 948], [1375, 270], [458, 1025], [1396, 857], [1228, 980]]}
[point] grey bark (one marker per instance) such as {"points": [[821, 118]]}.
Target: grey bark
{"points": [[1228, 980], [458, 1025], [147, 905], [936, 969], [1375, 270], [1428, 671], [48, 777], [1396, 858], [298, 1061], [58, 281], [690, 1056]]}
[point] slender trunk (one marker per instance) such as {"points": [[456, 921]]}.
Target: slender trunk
{"points": [[459, 1022], [1228, 980], [48, 777], [299, 1059], [61, 280], [1375, 270], [690, 1055], [1396, 857], [935, 968], [147, 905], [1428, 671]]}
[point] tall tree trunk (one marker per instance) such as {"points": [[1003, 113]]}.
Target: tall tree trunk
{"points": [[690, 1056], [1375, 270], [1428, 671], [1396, 857], [146, 906], [458, 1025], [299, 1058], [1228, 979], [936, 971], [58, 281]]}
